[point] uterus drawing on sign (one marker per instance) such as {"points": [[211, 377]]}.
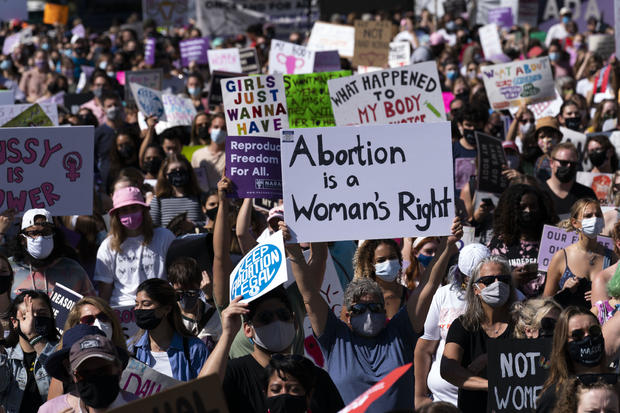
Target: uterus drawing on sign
{"points": [[290, 62]]}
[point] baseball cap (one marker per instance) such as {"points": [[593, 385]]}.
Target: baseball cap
{"points": [[89, 347], [470, 256], [31, 214], [510, 145], [547, 122], [130, 195], [276, 212], [55, 362], [565, 10]]}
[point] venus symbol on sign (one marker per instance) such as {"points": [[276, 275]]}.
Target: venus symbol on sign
{"points": [[72, 162]]}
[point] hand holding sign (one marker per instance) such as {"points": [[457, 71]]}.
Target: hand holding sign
{"points": [[149, 101]]}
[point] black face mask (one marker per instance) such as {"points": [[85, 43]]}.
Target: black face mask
{"points": [[178, 178], [573, 123], [100, 391], [126, 152], [497, 131], [146, 319], [470, 136], [152, 166], [189, 302], [588, 351], [527, 218], [5, 284], [464, 96], [287, 403], [565, 174], [43, 325], [597, 157], [531, 153], [203, 134], [211, 213]]}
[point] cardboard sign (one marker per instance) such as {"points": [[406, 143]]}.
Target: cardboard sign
{"points": [[14, 9], [227, 60], [214, 97], [143, 381], [344, 183], [32, 116], [501, 16], [149, 51], [148, 78], [411, 94], [166, 13], [327, 36], [149, 101], [63, 299], [49, 168], [55, 14], [372, 43], [194, 50], [8, 112], [253, 165], [307, 99], [363, 401], [249, 60], [261, 270], [601, 44], [290, 58], [326, 61], [179, 110], [200, 395], [255, 105], [599, 182], [491, 158], [517, 370], [490, 42], [554, 239], [127, 319], [512, 83]]}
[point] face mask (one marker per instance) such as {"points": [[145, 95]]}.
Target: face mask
{"points": [[597, 157], [5, 283], [527, 218], [526, 128], [591, 227], [450, 26], [495, 294], [212, 213], [451, 74], [573, 123], [275, 337], [113, 112], [472, 74], [131, 221], [45, 46], [152, 166], [178, 178], [5, 65], [565, 19], [368, 324], [425, 259], [470, 136], [40, 247], [147, 319], [68, 52], [218, 135], [464, 96], [105, 327], [565, 174], [100, 391], [189, 302], [609, 124], [68, 73], [97, 92], [387, 270], [553, 56], [126, 152], [513, 161], [577, 45], [111, 74], [203, 133], [193, 91], [103, 65], [43, 325], [287, 403], [588, 351]]}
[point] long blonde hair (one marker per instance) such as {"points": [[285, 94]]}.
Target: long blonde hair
{"points": [[73, 319], [575, 211], [527, 314]]}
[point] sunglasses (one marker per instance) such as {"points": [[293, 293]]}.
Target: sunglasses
{"points": [[46, 232], [490, 279], [565, 163], [524, 121], [361, 308], [266, 317], [90, 319], [580, 333], [187, 293], [590, 379]]}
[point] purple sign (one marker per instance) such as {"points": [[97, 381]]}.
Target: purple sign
{"points": [[10, 43], [554, 239], [502, 16], [327, 61], [253, 165], [149, 51], [194, 49]]}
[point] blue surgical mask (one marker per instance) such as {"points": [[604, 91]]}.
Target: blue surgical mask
{"points": [[193, 91], [553, 56], [103, 65], [565, 19], [451, 74], [387, 270], [68, 52], [5, 65], [218, 135], [45, 46], [111, 74], [425, 259]]}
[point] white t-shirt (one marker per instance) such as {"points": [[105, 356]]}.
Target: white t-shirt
{"points": [[162, 363], [135, 264], [448, 304], [557, 31]]}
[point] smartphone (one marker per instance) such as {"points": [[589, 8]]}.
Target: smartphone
{"points": [[488, 202]]}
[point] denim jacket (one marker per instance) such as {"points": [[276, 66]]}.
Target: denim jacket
{"points": [[13, 376]]}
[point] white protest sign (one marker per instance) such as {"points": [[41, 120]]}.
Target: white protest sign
{"points": [[599, 182], [290, 58], [179, 110], [490, 42], [327, 36], [8, 112], [149, 101], [400, 54], [49, 167], [512, 83], [542, 109], [261, 270], [226, 60], [343, 183], [143, 381], [13, 9], [410, 94], [255, 105], [127, 319], [577, 138], [148, 78]]}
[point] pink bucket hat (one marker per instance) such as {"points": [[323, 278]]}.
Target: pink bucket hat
{"points": [[130, 195]]}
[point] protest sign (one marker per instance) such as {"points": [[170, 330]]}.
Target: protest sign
{"points": [[227, 60], [166, 13], [32, 116], [10, 43], [249, 60], [179, 110], [255, 105], [290, 58], [326, 61], [49, 168], [149, 51], [73, 101], [491, 159], [372, 43], [214, 96], [542, 109], [501, 16], [253, 165], [327, 36], [63, 299], [149, 101], [617, 24], [148, 78], [143, 381], [8, 112], [512, 83], [363, 401], [517, 371], [6, 97], [194, 50], [345, 183], [400, 54], [411, 94], [307, 99], [554, 239], [201, 395], [601, 44], [13, 9], [599, 182], [127, 319], [55, 14], [577, 138], [490, 42], [261, 270]]}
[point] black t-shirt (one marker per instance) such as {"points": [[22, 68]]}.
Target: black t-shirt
{"points": [[546, 401], [474, 344], [245, 380], [32, 399], [563, 205]]}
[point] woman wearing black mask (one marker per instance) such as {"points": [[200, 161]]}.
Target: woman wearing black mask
{"points": [[290, 382], [210, 209], [151, 163], [177, 191], [602, 154], [200, 130], [123, 154]]}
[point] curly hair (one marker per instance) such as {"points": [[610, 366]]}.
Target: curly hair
{"points": [[527, 314], [360, 287], [570, 395], [363, 261]]}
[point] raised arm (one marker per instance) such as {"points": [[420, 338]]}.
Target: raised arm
{"points": [[222, 264], [244, 218], [422, 360], [151, 121]]}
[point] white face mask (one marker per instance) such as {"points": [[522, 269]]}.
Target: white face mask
{"points": [[525, 128], [40, 247], [368, 324], [495, 294], [105, 327], [387, 270], [276, 336], [591, 227]]}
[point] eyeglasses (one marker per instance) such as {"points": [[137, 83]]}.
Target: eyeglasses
{"points": [[590, 379], [565, 163], [361, 308], [45, 232], [580, 333], [266, 317], [490, 279], [90, 319]]}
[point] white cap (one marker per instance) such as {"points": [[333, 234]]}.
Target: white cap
{"points": [[31, 214], [470, 257], [565, 10]]}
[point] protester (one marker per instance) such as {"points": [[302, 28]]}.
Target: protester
{"points": [[535, 317], [582, 396], [548, 134], [602, 154], [200, 134], [211, 159]]}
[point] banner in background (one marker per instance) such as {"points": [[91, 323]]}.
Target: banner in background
{"points": [[328, 36], [13, 9], [226, 60], [194, 50], [166, 13]]}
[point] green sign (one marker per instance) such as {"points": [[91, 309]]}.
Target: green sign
{"points": [[33, 116]]}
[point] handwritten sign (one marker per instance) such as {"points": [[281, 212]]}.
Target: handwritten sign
{"points": [[227, 60], [343, 183], [411, 94], [400, 54], [166, 13], [194, 50], [249, 60], [491, 158], [255, 105], [261, 270], [8, 112], [542, 109], [179, 110], [253, 165], [143, 381], [327, 36], [149, 101], [127, 319], [307, 99], [554, 239], [372, 43], [148, 78], [33, 116], [512, 83], [63, 299], [290, 58]]}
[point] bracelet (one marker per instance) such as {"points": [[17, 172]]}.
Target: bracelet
{"points": [[36, 340]]}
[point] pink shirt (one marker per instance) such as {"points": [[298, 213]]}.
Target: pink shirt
{"points": [[97, 110]]}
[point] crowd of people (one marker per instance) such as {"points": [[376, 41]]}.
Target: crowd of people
{"points": [[164, 236]]}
